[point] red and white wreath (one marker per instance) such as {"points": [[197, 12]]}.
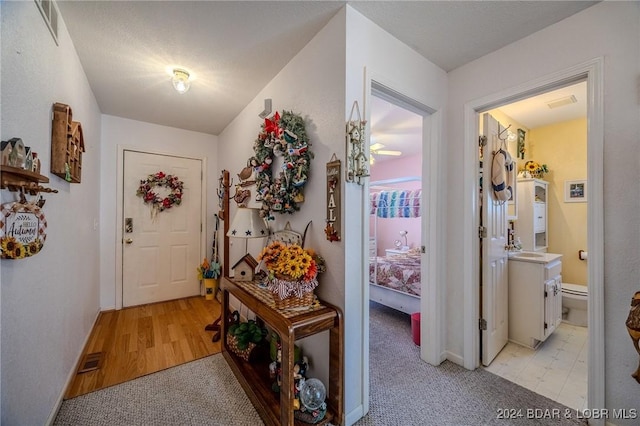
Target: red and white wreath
{"points": [[148, 190]]}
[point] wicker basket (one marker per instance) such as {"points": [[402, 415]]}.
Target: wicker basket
{"points": [[300, 298], [245, 354], [292, 302]]}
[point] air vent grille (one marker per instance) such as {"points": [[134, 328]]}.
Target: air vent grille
{"points": [[562, 102], [49, 11], [90, 362]]}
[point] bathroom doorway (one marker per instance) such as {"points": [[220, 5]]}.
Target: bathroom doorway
{"points": [[546, 135]]}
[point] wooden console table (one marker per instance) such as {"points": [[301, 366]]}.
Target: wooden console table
{"points": [[274, 408]]}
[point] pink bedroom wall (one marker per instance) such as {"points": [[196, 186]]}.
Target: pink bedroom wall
{"points": [[388, 229]]}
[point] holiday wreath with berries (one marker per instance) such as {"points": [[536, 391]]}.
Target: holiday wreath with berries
{"points": [[148, 190], [281, 136]]}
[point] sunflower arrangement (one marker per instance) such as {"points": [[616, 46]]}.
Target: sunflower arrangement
{"points": [[291, 262], [535, 169]]}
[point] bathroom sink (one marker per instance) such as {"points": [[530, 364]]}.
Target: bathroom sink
{"points": [[528, 255]]}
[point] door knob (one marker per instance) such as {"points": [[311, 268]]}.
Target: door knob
{"points": [[128, 241]]}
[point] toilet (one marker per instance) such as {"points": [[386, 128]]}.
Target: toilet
{"points": [[574, 304]]}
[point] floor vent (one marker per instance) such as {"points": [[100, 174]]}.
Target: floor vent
{"points": [[91, 362]]}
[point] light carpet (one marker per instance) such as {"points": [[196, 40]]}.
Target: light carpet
{"points": [[404, 391]]}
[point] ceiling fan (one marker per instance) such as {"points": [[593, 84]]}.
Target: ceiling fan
{"points": [[376, 149]]}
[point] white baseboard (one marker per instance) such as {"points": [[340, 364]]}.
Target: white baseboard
{"points": [[354, 415], [455, 358]]}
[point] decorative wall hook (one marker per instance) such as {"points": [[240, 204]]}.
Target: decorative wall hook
{"points": [[267, 109], [357, 161]]}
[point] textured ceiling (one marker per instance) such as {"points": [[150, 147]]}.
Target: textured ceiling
{"points": [[235, 48]]}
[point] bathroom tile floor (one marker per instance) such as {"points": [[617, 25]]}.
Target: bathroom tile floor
{"points": [[557, 369]]}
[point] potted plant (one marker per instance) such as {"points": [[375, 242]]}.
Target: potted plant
{"points": [[243, 337], [209, 273]]}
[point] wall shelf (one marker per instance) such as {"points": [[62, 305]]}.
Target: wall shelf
{"points": [[16, 179]]}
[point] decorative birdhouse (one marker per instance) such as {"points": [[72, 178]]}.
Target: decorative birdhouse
{"points": [[244, 269]]}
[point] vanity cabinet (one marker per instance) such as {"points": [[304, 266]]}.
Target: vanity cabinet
{"points": [[531, 225], [535, 297]]}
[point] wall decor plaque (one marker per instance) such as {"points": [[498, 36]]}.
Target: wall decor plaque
{"points": [[22, 230]]}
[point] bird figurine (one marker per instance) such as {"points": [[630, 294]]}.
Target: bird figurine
{"points": [[241, 196], [633, 327]]}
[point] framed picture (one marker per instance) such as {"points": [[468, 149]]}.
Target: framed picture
{"points": [[575, 191]]}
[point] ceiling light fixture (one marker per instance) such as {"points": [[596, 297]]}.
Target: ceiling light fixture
{"points": [[180, 80]]}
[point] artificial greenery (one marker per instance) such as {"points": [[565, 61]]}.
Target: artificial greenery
{"points": [[283, 136], [247, 332]]}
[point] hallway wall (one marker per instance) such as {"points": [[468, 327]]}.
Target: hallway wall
{"points": [[50, 300]]}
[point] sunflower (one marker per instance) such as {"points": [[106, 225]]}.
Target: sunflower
{"points": [[33, 248], [8, 245], [18, 251], [531, 166]]}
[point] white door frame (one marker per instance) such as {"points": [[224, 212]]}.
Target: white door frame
{"points": [[432, 302], [592, 72], [118, 289]]}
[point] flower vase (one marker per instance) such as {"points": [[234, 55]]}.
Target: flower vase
{"points": [[210, 288]]}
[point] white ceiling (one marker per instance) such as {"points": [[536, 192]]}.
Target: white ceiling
{"points": [[534, 112], [234, 48], [399, 129]]}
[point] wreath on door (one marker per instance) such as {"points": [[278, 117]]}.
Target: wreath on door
{"points": [[281, 136], [148, 190]]}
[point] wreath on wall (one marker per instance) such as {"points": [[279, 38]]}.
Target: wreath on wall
{"points": [[148, 191], [282, 136]]}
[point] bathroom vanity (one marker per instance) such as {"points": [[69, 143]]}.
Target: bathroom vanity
{"points": [[535, 296]]}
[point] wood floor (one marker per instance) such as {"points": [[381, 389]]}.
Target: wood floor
{"points": [[145, 339]]}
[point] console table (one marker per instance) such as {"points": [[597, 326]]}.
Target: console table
{"points": [[290, 325]]}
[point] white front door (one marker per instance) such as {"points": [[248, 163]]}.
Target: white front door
{"points": [[495, 279], [160, 253]]}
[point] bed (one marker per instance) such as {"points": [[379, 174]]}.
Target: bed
{"points": [[395, 279]]}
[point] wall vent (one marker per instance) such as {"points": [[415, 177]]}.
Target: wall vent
{"points": [[49, 11], [562, 102]]}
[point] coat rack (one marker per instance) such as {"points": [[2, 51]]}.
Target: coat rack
{"points": [[223, 195]]}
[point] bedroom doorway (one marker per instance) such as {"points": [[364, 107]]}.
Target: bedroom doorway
{"points": [[395, 231]]}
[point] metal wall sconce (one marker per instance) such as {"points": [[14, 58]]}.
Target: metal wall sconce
{"points": [[357, 161]]}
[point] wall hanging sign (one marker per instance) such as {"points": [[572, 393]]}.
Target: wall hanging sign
{"points": [[357, 161], [283, 140], [22, 230], [334, 207], [151, 188]]}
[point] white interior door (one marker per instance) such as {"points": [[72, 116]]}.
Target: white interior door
{"points": [[495, 279], [160, 254]]}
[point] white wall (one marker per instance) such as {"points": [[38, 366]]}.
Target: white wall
{"points": [[143, 136], [610, 30], [50, 300], [397, 66]]}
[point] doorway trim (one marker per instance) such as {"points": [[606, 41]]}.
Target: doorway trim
{"points": [[118, 284], [591, 72]]}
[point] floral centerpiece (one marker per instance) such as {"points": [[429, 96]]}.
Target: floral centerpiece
{"points": [[534, 169], [292, 272]]}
